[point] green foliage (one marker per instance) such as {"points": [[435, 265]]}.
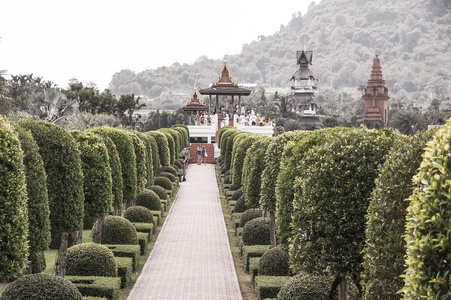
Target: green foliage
{"points": [[221, 132], [127, 156], [41, 287], [13, 205], [149, 156], [385, 248], [177, 165], [155, 155], [148, 199], [141, 161], [240, 205], [331, 200], [138, 214], [239, 154], [256, 232], [97, 286], [184, 131], [249, 215], [97, 184], [163, 182], [169, 169], [161, 192], [169, 176], [229, 140], [274, 263], [428, 228], [224, 136], [163, 147], [62, 164], [91, 259], [171, 145], [117, 230], [237, 194], [38, 206], [177, 140], [254, 164]]}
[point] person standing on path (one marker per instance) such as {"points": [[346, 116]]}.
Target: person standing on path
{"points": [[199, 154], [204, 155], [184, 166]]}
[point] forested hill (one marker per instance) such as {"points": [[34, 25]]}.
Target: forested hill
{"points": [[411, 37]]}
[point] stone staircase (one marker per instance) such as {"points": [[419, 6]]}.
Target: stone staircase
{"points": [[210, 152]]}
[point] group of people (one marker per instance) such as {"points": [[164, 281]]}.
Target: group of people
{"points": [[201, 158]]}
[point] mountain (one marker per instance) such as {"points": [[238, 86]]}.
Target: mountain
{"points": [[411, 37]]}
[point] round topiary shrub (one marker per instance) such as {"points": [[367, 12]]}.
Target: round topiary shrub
{"points": [[117, 230], [178, 164], [169, 176], [233, 187], [223, 170], [274, 263], [90, 259], [256, 232], [249, 215], [227, 173], [138, 214], [240, 205], [170, 169], [163, 182], [41, 287], [148, 199], [237, 194], [161, 192], [227, 179]]}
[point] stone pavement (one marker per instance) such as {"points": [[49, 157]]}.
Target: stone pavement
{"points": [[191, 258]]}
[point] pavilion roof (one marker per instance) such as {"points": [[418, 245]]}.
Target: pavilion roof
{"points": [[195, 104]]}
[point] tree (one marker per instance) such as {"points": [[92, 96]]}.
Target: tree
{"points": [[407, 120], [126, 107], [52, 105]]}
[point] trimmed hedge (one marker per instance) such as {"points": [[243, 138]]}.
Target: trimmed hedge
{"points": [[163, 182], [124, 269], [41, 287], [171, 145], [236, 194], [169, 169], [139, 214], [163, 147], [160, 191], [149, 199], [256, 232], [267, 287], [38, 206], [234, 137], [96, 286], [117, 230], [131, 251], [89, 259], [239, 154], [13, 205], [240, 205], [149, 156], [169, 176], [274, 263], [385, 248], [177, 141], [155, 155], [183, 130], [141, 161], [428, 230], [249, 215], [221, 132]]}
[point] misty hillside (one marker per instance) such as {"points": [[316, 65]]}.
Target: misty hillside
{"points": [[411, 37]]}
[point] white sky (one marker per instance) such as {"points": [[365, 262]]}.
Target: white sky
{"points": [[92, 39]]}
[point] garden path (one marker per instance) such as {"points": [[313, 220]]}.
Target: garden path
{"points": [[191, 258]]}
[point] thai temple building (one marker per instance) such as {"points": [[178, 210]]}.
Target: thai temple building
{"points": [[376, 98]]}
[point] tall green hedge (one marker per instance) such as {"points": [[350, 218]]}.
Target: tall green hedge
{"points": [[183, 130], [149, 156], [177, 140], [13, 205], [141, 161], [155, 155], [254, 164], [171, 144], [224, 138], [428, 227], [163, 147], [38, 201], [229, 140], [385, 247], [331, 199], [97, 183], [221, 132], [62, 164], [239, 156], [127, 156]]}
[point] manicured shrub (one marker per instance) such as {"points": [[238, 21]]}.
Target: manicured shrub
{"points": [[331, 200], [223, 170], [177, 165], [148, 199], [138, 214], [169, 176], [171, 145], [183, 130], [221, 132], [249, 215], [163, 147], [161, 192], [149, 156], [274, 263], [239, 154], [118, 230], [170, 169], [91, 259], [237, 194], [127, 156], [228, 146], [227, 179], [13, 204], [224, 142], [385, 247], [240, 205], [141, 161], [41, 287], [155, 155], [233, 188], [256, 232], [163, 182], [97, 184], [176, 138], [428, 231], [37, 204]]}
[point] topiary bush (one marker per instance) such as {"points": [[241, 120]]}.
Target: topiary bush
{"points": [[240, 205], [227, 179], [161, 192], [41, 287], [149, 156], [155, 156], [170, 169], [256, 232], [249, 215], [169, 176], [138, 214], [13, 205], [428, 230], [163, 147], [239, 154], [141, 161], [177, 165], [171, 145], [233, 188], [274, 263], [90, 259], [183, 130], [237, 194], [163, 182], [148, 199], [221, 132], [117, 230], [177, 140]]}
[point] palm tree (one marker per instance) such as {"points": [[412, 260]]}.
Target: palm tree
{"points": [[126, 107], [52, 106], [407, 120]]}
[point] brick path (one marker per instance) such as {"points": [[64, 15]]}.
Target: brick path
{"points": [[191, 258]]}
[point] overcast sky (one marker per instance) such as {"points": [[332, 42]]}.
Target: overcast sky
{"points": [[92, 39]]}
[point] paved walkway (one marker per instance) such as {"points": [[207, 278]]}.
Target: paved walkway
{"points": [[191, 258]]}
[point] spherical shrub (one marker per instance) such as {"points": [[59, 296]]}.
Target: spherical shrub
{"points": [[220, 159], [223, 170], [169, 176], [237, 194], [310, 287], [249, 215], [274, 263], [233, 187], [227, 179], [178, 164], [41, 287], [240, 205], [138, 214], [227, 173], [161, 192], [257, 232], [169, 169], [148, 199], [90, 259], [117, 230], [163, 182]]}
